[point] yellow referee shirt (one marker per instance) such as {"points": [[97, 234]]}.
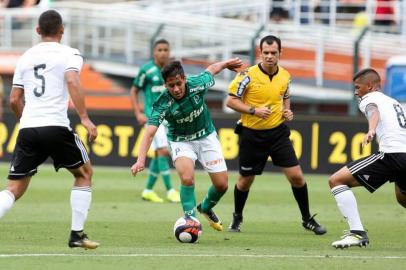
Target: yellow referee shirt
{"points": [[257, 88]]}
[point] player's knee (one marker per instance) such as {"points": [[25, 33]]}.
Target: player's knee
{"points": [[244, 182], [222, 187], [333, 181], [187, 180]]}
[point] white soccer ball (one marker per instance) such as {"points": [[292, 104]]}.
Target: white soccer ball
{"points": [[187, 229]]}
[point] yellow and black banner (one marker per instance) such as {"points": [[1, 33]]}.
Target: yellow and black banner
{"points": [[322, 144]]}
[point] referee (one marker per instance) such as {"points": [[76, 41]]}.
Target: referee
{"points": [[261, 94]]}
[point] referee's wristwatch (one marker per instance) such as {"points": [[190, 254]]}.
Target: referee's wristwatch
{"points": [[251, 110]]}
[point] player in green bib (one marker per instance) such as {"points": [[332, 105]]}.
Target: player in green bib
{"points": [[191, 135], [149, 80]]}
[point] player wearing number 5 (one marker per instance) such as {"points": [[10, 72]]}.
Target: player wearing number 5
{"points": [[386, 121], [44, 78], [261, 95]]}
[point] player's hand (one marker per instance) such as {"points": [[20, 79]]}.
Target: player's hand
{"points": [[263, 112], [141, 119], [288, 115], [91, 129], [368, 137], [137, 167], [234, 64]]}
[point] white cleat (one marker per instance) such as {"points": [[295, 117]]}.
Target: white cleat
{"points": [[350, 239]]}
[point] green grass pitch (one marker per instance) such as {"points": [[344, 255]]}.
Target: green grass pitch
{"points": [[138, 235]]}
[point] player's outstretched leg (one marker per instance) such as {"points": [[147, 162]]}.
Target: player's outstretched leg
{"points": [[352, 238]]}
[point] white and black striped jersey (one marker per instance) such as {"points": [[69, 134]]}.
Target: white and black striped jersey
{"points": [[391, 129], [40, 72]]}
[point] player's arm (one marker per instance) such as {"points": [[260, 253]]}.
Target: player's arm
{"points": [[286, 111], [17, 101], [237, 89], [231, 64], [139, 115], [72, 79], [372, 113], [142, 154]]}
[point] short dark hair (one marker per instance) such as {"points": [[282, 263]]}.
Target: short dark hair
{"points": [[269, 40], [368, 73], [161, 41], [172, 69], [49, 23]]}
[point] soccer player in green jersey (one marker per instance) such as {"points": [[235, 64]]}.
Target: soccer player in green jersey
{"points": [[149, 80], [191, 135]]}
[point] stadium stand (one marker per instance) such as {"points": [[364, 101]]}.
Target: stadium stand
{"points": [[116, 39]]}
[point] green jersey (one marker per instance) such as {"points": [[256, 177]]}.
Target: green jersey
{"points": [[149, 80], [188, 118]]}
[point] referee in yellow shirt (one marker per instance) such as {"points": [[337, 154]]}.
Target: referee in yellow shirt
{"points": [[261, 94]]}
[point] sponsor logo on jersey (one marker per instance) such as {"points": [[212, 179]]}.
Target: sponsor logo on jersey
{"points": [[193, 115], [197, 88]]}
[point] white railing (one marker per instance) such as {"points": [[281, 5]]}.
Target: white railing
{"points": [[122, 32]]}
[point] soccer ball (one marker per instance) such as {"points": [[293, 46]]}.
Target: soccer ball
{"points": [[187, 229]]}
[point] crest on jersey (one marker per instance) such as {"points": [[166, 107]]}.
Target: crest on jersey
{"points": [[196, 99]]}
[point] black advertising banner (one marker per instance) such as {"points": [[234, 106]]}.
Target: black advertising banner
{"points": [[322, 144]]}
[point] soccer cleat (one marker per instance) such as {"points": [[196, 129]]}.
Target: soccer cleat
{"points": [[80, 239], [235, 225], [312, 225], [173, 196], [350, 239], [150, 195], [214, 221]]}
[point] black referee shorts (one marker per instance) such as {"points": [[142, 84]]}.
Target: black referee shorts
{"points": [[375, 170], [35, 145], [257, 145]]}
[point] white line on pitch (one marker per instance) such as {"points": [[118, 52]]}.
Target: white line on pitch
{"points": [[206, 255]]}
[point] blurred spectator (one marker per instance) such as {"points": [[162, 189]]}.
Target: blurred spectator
{"points": [[323, 8], [18, 3], [384, 13], [360, 21], [278, 11], [305, 11], [351, 6]]}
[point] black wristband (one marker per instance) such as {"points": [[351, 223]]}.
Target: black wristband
{"points": [[251, 110]]}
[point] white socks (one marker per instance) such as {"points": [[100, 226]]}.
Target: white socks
{"points": [[80, 200], [347, 204], [6, 202]]}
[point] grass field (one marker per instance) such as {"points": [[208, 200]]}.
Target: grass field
{"points": [[138, 235]]}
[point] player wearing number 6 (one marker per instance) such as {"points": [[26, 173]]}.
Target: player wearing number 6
{"points": [[44, 78], [386, 121]]}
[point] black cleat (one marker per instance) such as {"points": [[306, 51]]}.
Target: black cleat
{"points": [[214, 221], [79, 239], [312, 225], [235, 225]]}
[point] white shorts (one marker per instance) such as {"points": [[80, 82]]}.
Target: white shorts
{"points": [[160, 139], [207, 150]]}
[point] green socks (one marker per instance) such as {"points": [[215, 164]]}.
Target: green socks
{"points": [[163, 167], [153, 173], [188, 200], [211, 199]]}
